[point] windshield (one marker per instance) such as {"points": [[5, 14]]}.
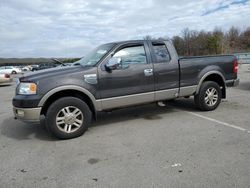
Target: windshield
{"points": [[95, 55]]}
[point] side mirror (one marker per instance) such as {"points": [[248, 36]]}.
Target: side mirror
{"points": [[113, 63]]}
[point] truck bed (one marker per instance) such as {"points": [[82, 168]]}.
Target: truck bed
{"points": [[192, 68]]}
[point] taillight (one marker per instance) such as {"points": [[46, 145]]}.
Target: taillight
{"points": [[236, 66], [6, 76]]}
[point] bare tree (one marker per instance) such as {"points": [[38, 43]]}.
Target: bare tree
{"points": [[216, 42], [233, 39]]}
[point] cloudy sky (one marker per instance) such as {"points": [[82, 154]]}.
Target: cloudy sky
{"points": [[69, 28]]}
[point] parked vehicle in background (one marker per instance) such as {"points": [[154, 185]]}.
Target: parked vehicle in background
{"points": [[117, 75], [26, 68], [33, 67], [5, 79], [44, 66], [68, 64], [75, 63], [10, 70]]}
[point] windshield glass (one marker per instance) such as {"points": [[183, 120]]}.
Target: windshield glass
{"points": [[95, 55]]}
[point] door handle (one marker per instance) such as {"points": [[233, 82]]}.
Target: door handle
{"points": [[148, 72]]}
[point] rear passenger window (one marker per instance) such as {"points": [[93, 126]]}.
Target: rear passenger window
{"points": [[161, 53]]}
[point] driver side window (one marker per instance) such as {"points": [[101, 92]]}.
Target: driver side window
{"points": [[131, 55]]}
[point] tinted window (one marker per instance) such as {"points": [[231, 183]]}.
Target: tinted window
{"points": [[161, 53], [132, 55]]}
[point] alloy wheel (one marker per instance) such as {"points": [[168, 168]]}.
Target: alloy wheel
{"points": [[211, 96], [69, 119]]}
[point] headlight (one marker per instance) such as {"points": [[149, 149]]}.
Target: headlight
{"points": [[27, 89]]}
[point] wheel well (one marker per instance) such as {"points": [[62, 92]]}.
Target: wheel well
{"points": [[219, 80], [68, 93]]}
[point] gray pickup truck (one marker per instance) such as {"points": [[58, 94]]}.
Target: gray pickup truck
{"points": [[117, 75]]}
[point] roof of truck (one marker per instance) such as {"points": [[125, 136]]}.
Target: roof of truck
{"points": [[137, 41]]}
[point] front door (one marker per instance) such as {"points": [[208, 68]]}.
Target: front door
{"points": [[131, 82]]}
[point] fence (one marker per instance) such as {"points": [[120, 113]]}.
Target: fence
{"points": [[243, 58]]}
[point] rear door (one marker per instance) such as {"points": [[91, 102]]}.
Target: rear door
{"points": [[166, 71], [130, 83]]}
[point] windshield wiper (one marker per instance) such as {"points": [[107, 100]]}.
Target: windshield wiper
{"points": [[58, 61]]}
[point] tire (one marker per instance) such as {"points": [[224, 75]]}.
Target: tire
{"points": [[68, 117], [13, 72], [205, 102]]}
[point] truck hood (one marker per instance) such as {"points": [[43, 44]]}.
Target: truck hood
{"points": [[52, 72]]}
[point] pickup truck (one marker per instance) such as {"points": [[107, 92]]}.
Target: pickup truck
{"points": [[117, 75]]}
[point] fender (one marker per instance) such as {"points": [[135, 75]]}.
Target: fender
{"points": [[206, 75], [97, 104]]}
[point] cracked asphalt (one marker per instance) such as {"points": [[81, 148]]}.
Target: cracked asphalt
{"points": [[146, 146]]}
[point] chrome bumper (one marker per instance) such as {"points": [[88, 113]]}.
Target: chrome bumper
{"points": [[27, 114], [232, 83]]}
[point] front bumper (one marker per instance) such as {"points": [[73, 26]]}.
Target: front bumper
{"points": [[26, 101], [27, 114], [232, 83]]}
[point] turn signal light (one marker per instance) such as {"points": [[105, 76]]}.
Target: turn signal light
{"points": [[33, 87]]}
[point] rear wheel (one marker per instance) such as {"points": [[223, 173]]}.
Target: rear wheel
{"points": [[13, 72], [209, 96], [68, 117]]}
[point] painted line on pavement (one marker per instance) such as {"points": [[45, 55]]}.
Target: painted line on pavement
{"points": [[218, 122]]}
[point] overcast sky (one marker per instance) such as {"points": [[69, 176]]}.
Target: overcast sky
{"points": [[64, 28]]}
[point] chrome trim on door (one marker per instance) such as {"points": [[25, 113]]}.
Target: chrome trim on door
{"points": [[166, 94], [128, 100]]}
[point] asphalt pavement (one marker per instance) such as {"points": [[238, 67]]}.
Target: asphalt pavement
{"points": [[146, 146]]}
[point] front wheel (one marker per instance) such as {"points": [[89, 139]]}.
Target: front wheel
{"points": [[209, 96], [68, 117]]}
